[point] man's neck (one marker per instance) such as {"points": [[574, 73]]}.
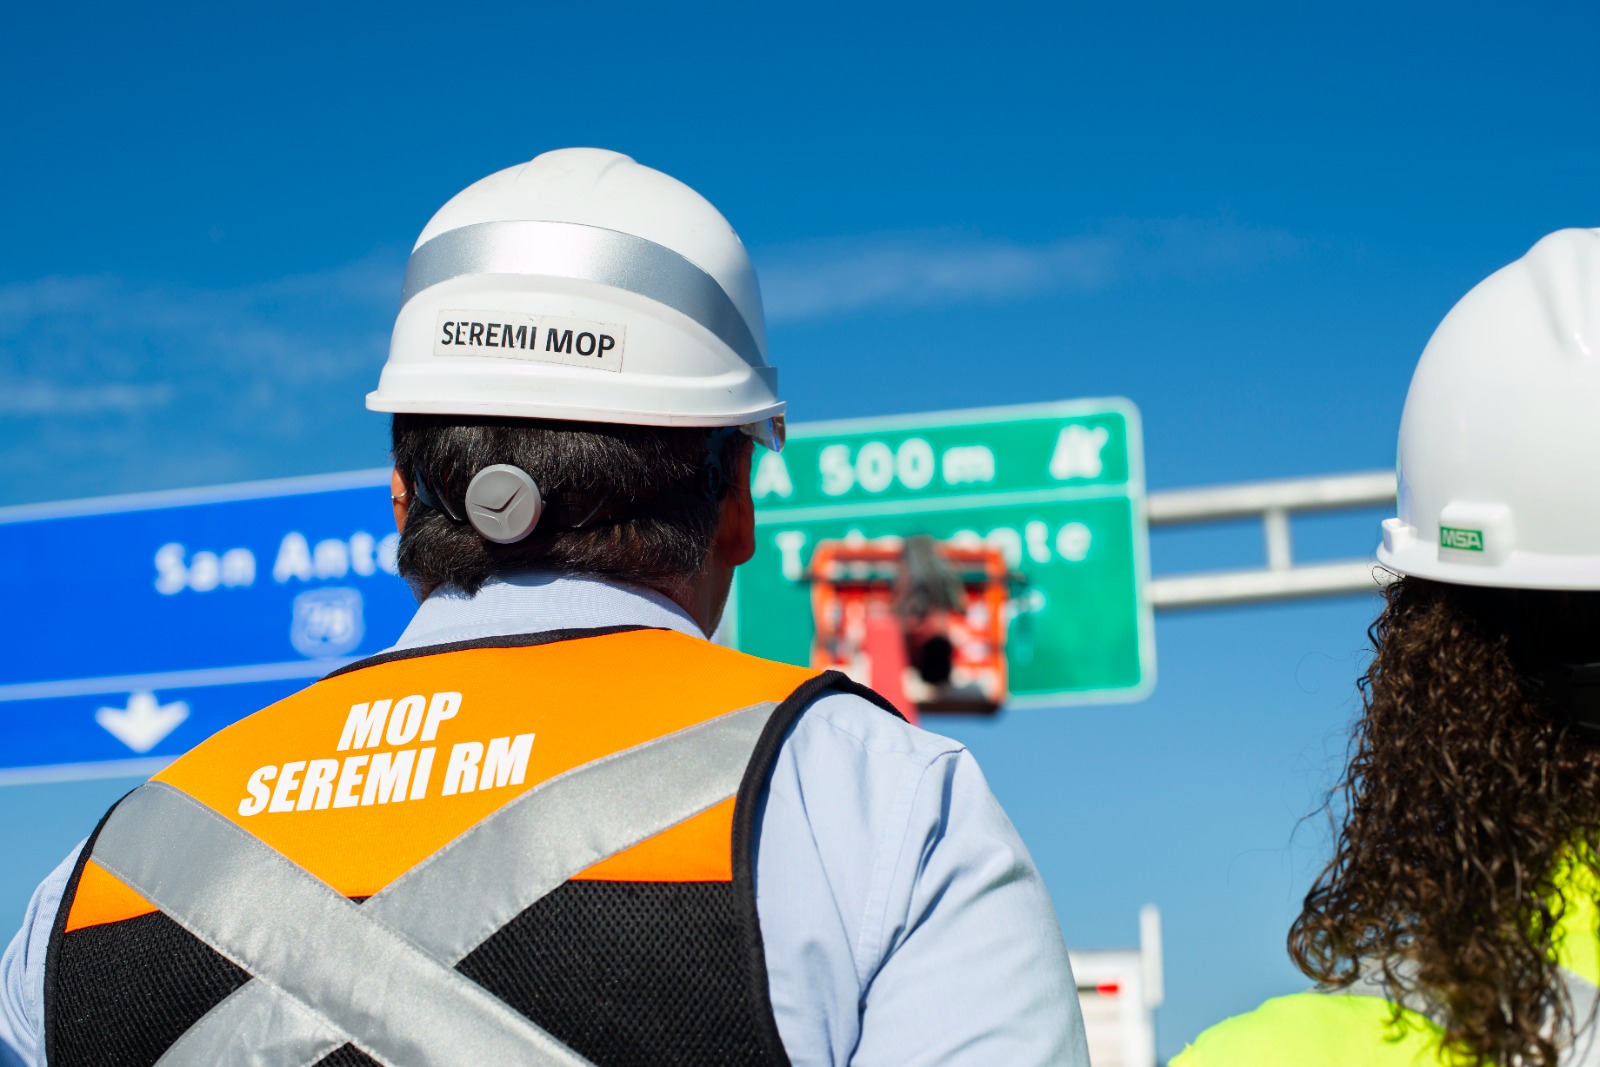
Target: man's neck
{"points": [[702, 596]]}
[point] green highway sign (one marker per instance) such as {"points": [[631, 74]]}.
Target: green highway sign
{"points": [[1058, 488]]}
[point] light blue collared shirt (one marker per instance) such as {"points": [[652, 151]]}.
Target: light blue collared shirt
{"points": [[903, 919]]}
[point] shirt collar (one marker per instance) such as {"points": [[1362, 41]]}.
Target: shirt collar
{"points": [[534, 601]]}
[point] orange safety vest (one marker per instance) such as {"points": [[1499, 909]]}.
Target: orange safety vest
{"points": [[531, 849]]}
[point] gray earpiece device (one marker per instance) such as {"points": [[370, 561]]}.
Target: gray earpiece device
{"points": [[504, 503]]}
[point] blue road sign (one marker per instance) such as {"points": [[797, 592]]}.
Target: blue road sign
{"points": [[140, 625]]}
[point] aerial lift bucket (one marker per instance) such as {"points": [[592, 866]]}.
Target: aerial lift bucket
{"points": [[921, 621]]}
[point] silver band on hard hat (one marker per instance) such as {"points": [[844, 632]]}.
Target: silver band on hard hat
{"points": [[585, 253]]}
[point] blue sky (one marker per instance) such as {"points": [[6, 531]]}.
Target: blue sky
{"points": [[1245, 217]]}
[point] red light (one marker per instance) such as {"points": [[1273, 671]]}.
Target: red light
{"points": [[1108, 989]]}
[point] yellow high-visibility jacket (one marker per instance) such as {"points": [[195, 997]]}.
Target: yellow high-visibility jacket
{"points": [[1342, 1028]]}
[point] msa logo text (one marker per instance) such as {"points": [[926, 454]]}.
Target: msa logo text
{"points": [[1465, 540]]}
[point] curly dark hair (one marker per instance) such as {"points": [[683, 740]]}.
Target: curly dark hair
{"points": [[1462, 799]]}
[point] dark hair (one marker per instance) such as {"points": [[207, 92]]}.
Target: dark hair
{"points": [[628, 466], [1463, 798]]}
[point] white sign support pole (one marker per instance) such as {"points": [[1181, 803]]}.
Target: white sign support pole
{"points": [[1274, 503]]}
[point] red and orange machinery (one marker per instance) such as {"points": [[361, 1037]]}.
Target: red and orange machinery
{"points": [[921, 621]]}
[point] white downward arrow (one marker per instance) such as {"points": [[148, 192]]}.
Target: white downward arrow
{"points": [[144, 722]]}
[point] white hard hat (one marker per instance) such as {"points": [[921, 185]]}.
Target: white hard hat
{"points": [[1499, 458], [582, 285]]}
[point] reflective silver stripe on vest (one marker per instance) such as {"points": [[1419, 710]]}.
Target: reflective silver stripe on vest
{"points": [[1583, 1050], [260, 910], [261, 1028], [1585, 998], [530, 847], [586, 253], [257, 908]]}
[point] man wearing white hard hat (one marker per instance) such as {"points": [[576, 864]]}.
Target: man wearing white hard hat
{"points": [[556, 824], [1457, 921]]}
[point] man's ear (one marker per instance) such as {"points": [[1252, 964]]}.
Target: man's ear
{"points": [[736, 529], [400, 497]]}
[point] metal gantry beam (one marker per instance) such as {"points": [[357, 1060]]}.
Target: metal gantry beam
{"points": [[1274, 503]]}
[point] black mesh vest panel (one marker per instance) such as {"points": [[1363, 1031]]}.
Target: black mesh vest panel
{"points": [[624, 973]]}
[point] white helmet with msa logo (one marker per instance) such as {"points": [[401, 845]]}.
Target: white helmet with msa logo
{"points": [[582, 286], [1499, 457]]}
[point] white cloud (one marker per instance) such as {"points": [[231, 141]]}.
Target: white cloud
{"points": [[101, 343], [37, 397], [897, 271], [108, 385]]}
